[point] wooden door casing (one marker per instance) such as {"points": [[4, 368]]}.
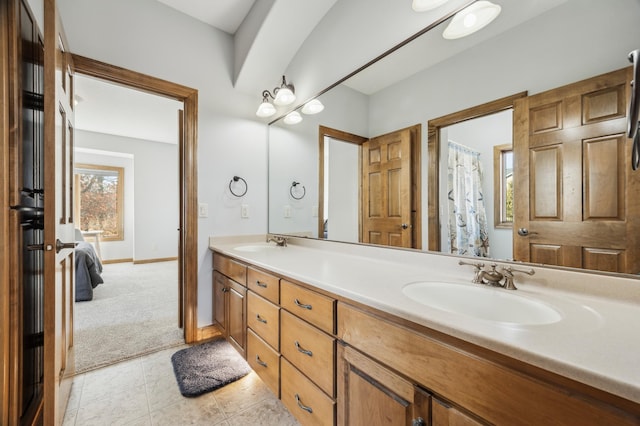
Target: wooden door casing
{"points": [[387, 190], [576, 194]]}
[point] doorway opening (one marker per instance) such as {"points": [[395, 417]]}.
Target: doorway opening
{"points": [[182, 262]]}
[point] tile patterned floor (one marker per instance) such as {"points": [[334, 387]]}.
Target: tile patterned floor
{"points": [[143, 391]]}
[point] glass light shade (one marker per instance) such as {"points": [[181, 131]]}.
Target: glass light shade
{"points": [[266, 109], [314, 106], [471, 19], [284, 97], [424, 5], [293, 118]]}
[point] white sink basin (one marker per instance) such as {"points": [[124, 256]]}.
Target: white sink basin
{"points": [[254, 248], [482, 302]]}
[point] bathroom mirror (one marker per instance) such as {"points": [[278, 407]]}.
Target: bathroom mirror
{"points": [[533, 46]]}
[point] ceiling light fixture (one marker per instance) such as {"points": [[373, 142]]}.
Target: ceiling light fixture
{"points": [[314, 106], [282, 96], [425, 5], [293, 118], [471, 19]]}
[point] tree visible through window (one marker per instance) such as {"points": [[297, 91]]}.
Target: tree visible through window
{"points": [[99, 199]]}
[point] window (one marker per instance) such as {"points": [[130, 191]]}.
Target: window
{"points": [[503, 185], [99, 200]]}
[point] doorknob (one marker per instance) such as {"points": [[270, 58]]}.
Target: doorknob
{"points": [[404, 226], [523, 232], [61, 246]]}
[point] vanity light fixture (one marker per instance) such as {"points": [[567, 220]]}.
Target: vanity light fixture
{"points": [[471, 19], [282, 96], [293, 117], [425, 5], [314, 106]]}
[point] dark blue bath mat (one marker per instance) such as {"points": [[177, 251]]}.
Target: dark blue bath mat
{"points": [[207, 367]]}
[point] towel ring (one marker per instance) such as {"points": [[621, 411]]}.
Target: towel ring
{"points": [[293, 185], [236, 179]]}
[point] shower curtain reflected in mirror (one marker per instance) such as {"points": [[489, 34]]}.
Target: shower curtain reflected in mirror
{"points": [[467, 216]]}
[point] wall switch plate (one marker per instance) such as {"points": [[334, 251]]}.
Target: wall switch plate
{"points": [[287, 211], [203, 210], [314, 211], [244, 211]]}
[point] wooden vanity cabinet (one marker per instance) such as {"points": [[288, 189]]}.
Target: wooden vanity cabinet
{"points": [[308, 347], [263, 322], [229, 300], [473, 386], [370, 394]]}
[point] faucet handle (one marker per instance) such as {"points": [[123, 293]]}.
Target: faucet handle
{"points": [[508, 271], [477, 277]]}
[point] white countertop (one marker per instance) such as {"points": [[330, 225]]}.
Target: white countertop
{"points": [[597, 342]]}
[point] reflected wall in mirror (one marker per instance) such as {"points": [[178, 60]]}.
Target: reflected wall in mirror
{"points": [[432, 77]]}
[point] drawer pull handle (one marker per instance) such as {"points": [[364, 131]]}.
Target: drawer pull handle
{"points": [[302, 305], [302, 350], [304, 407], [261, 284], [261, 362], [260, 319]]}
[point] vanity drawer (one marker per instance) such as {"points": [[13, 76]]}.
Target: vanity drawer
{"points": [[263, 317], [310, 350], [313, 307], [232, 269], [264, 361], [266, 285], [301, 396]]}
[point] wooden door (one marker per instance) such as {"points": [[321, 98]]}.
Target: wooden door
{"points": [[58, 218], [370, 394], [577, 198], [219, 301], [237, 315], [387, 192]]}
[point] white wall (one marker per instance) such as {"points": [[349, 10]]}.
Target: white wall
{"points": [[344, 190], [151, 38], [104, 157], [155, 198]]}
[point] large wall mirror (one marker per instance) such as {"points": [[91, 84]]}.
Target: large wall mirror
{"points": [[319, 171]]}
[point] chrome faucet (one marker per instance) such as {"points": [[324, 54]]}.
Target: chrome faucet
{"points": [[493, 276], [280, 241]]}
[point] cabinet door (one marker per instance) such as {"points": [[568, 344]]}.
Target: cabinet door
{"points": [[219, 301], [446, 415], [369, 394], [237, 315]]}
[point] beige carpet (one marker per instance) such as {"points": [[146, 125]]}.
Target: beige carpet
{"points": [[133, 313]]}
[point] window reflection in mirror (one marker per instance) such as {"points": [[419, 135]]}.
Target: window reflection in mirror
{"points": [[503, 185]]}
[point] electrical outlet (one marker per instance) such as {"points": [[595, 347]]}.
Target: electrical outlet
{"points": [[244, 211], [203, 210], [287, 211]]}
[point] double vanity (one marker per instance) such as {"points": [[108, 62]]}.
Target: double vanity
{"points": [[352, 334]]}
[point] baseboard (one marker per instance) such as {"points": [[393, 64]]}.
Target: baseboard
{"points": [[105, 262], [161, 259], [208, 332]]}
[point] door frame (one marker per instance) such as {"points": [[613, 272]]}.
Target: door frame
{"points": [[188, 246], [347, 138], [433, 153]]}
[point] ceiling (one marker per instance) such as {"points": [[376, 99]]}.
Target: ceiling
{"points": [[227, 15]]}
